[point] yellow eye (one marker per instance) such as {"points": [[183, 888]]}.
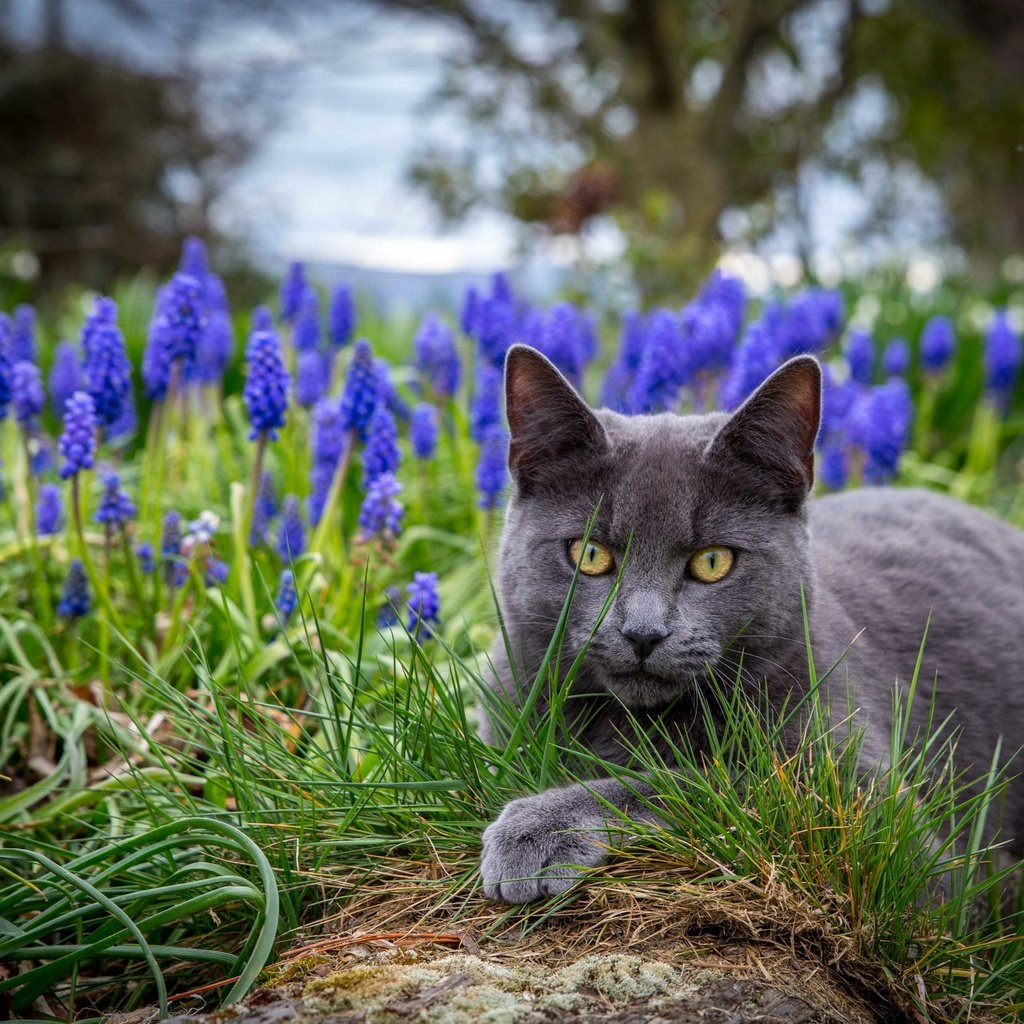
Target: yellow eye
{"points": [[709, 565], [593, 559]]}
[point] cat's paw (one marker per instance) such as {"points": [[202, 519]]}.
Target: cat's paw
{"points": [[540, 845]]}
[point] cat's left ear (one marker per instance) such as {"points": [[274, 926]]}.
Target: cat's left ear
{"points": [[550, 425], [773, 432]]}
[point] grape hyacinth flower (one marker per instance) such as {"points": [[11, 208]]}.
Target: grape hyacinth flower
{"points": [[116, 507], [495, 321], [147, 561], [106, 366], [216, 571], [170, 535], [194, 260], [387, 614], [6, 367], [381, 454], [291, 535], [381, 513], [362, 387], [896, 358], [423, 430], [424, 604], [437, 358], [175, 333], [860, 356], [74, 601], [386, 390], [65, 375], [491, 469], [328, 443], [485, 407], [618, 385], [469, 311], [658, 377], [27, 396], [78, 441], [287, 598], [879, 424], [306, 331], [729, 295], [756, 356], [293, 291], [49, 511], [262, 320], [832, 464], [217, 345], [1002, 358], [266, 387], [264, 509], [342, 316], [564, 335], [23, 335], [811, 321], [938, 342], [310, 378]]}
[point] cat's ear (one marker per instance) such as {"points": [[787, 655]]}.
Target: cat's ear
{"points": [[549, 423], [773, 433]]}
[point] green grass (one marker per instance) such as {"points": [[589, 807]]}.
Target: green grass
{"points": [[200, 784]]}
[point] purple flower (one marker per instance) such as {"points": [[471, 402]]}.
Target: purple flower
{"points": [[832, 464], [291, 535], [706, 339], [170, 535], [310, 378], [362, 387], [116, 507], [896, 358], [659, 377], [65, 375], [495, 321], [23, 335], [266, 387], [328, 442], [175, 333], [262, 319], [491, 467], [74, 599], [381, 513], [49, 511], [381, 454], [565, 335], [437, 358], [812, 320], [879, 424], [306, 332], [424, 604], [144, 553], [1002, 358], [194, 260], [217, 571], [860, 355], [107, 370], [78, 441], [618, 385], [342, 316], [287, 599], [938, 342], [756, 356], [485, 407], [264, 508], [27, 395], [293, 291], [469, 312], [217, 345], [729, 295], [387, 614], [423, 430]]}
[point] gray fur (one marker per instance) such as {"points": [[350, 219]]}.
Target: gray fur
{"points": [[874, 564]]}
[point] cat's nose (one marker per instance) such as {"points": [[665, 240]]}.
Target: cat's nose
{"points": [[644, 643]]}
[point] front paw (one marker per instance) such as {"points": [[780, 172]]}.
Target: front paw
{"points": [[539, 845]]}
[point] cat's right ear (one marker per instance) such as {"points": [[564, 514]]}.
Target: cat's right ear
{"points": [[773, 432], [549, 424]]}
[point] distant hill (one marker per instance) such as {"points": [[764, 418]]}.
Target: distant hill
{"points": [[401, 291]]}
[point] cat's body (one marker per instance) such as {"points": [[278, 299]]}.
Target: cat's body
{"points": [[876, 568]]}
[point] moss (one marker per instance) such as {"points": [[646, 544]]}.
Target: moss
{"points": [[294, 970]]}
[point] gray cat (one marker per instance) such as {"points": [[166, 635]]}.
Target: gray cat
{"points": [[723, 537]]}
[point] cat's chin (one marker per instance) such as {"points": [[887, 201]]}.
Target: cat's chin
{"points": [[645, 690]]}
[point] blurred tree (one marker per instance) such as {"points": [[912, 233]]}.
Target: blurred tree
{"points": [[106, 162], [669, 114]]}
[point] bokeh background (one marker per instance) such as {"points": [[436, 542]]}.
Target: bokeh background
{"points": [[614, 148]]}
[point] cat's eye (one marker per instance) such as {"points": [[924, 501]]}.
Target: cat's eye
{"points": [[709, 565], [593, 559]]}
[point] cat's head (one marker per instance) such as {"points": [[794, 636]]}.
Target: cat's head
{"points": [[710, 507]]}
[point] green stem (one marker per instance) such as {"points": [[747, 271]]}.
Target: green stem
{"points": [[333, 494], [44, 596], [83, 553]]}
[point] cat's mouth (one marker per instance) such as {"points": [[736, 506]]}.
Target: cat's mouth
{"points": [[645, 683]]}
